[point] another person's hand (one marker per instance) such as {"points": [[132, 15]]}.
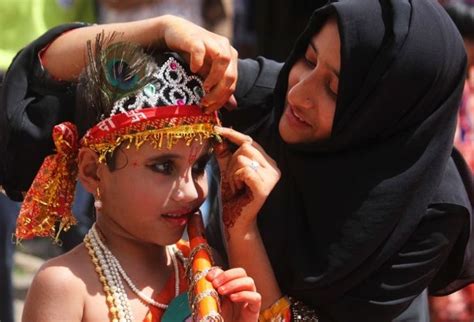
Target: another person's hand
{"points": [[240, 300], [248, 176], [208, 54]]}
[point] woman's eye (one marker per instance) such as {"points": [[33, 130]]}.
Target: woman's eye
{"points": [[166, 167], [309, 62], [331, 91]]}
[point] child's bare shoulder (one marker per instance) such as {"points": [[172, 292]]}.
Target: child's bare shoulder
{"points": [[59, 287], [69, 269]]}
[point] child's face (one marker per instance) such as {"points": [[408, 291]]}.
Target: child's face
{"points": [[152, 191]]}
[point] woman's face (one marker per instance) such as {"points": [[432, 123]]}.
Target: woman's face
{"points": [[152, 191], [312, 89]]}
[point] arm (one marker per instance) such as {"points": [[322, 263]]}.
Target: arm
{"points": [[34, 98], [28, 92], [244, 190], [54, 296], [209, 54], [423, 262]]}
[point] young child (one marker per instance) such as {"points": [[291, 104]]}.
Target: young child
{"points": [[140, 147]]}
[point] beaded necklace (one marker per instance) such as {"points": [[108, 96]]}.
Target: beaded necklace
{"points": [[111, 274]]}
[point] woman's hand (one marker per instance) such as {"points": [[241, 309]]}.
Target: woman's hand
{"points": [[248, 176], [240, 300], [208, 54]]}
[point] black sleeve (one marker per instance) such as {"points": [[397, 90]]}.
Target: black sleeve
{"points": [[388, 291], [31, 104], [254, 93]]}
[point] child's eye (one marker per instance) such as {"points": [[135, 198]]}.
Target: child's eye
{"points": [[200, 166], [165, 167]]}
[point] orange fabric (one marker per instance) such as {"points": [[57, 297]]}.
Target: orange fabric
{"points": [[49, 200], [167, 294]]}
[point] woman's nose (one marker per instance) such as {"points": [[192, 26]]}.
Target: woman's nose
{"points": [[303, 92]]}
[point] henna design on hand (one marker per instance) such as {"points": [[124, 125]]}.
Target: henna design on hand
{"points": [[233, 204]]}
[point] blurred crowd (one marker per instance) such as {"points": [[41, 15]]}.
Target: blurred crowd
{"points": [[262, 27]]}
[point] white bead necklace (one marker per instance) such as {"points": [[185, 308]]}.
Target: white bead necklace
{"points": [[116, 273], [112, 279]]}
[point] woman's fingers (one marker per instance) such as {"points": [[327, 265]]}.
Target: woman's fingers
{"points": [[209, 54], [239, 138], [221, 81], [248, 166], [233, 136], [220, 57]]}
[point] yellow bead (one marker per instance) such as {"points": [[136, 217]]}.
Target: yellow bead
{"points": [[113, 310], [98, 269], [110, 299]]}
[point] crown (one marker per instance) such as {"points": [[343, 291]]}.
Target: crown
{"points": [[170, 84]]}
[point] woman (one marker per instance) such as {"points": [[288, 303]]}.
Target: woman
{"points": [[372, 207]]}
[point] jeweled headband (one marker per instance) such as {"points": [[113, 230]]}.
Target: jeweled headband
{"points": [[139, 99]]}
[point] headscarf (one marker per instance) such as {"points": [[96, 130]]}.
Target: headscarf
{"points": [[346, 205]]}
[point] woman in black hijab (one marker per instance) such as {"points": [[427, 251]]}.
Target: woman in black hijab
{"points": [[372, 207]]}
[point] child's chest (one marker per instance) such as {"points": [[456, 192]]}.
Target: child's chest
{"points": [[96, 308]]}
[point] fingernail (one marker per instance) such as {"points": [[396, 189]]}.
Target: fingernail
{"points": [[216, 282], [211, 275], [218, 138]]}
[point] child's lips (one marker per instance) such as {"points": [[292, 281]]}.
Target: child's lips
{"points": [[179, 218]]}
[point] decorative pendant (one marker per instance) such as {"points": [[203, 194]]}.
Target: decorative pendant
{"points": [[178, 310]]}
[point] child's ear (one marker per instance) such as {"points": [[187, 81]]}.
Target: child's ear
{"points": [[88, 169]]}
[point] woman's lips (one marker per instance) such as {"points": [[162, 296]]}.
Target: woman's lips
{"points": [[295, 119]]}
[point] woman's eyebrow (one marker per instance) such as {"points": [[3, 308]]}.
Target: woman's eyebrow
{"points": [[315, 48]]}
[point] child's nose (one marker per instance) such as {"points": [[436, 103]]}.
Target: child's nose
{"points": [[186, 190]]}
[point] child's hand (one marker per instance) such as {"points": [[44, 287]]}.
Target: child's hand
{"points": [[239, 298], [248, 176]]}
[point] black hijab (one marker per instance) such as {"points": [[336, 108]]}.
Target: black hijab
{"points": [[344, 206]]}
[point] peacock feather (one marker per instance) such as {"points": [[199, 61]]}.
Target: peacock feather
{"points": [[114, 70]]}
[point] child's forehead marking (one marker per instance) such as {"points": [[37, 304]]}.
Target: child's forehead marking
{"points": [[194, 153]]}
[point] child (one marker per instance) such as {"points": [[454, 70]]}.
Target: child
{"points": [[145, 143]]}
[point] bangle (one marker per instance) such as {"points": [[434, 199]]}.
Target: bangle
{"points": [[302, 312], [278, 312]]}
